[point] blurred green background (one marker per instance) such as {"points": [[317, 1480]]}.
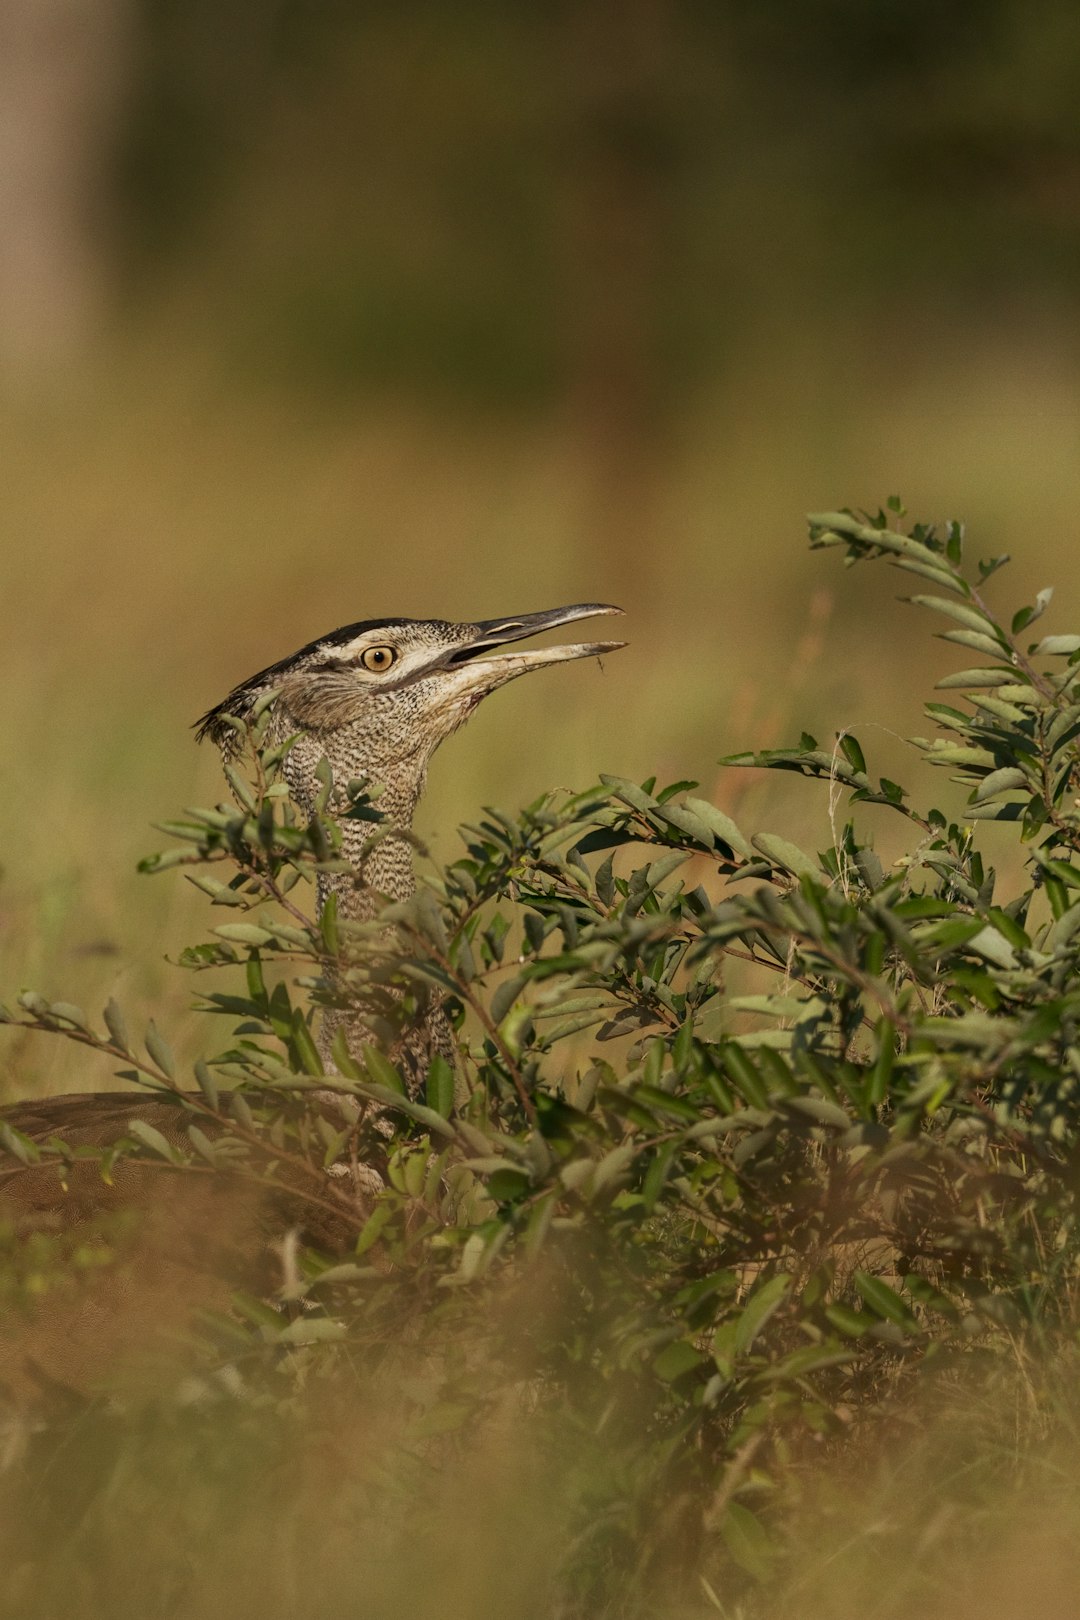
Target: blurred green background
{"points": [[315, 312]]}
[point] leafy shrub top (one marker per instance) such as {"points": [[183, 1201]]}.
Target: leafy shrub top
{"points": [[751, 1129]]}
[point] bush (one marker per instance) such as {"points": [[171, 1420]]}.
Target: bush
{"points": [[752, 1135]]}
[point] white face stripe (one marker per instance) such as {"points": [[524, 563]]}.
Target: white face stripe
{"points": [[411, 660], [348, 651]]}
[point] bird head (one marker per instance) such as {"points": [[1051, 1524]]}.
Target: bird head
{"points": [[378, 697]]}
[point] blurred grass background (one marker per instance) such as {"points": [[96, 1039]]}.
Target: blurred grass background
{"points": [[318, 312]]}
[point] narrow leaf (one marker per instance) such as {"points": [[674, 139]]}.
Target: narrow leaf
{"points": [[152, 1138], [440, 1086], [1009, 777], [763, 1302], [382, 1071], [114, 1023], [786, 855], [159, 1050]]}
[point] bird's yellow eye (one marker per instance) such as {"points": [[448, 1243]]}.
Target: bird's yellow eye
{"points": [[378, 659]]}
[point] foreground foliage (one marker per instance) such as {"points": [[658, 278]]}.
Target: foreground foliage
{"points": [[745, 1135]]}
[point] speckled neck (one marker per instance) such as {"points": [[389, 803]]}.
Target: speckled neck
{"points": [[381, 855]]}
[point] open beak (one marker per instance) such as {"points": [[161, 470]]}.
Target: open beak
{"points": [[470, 675]]}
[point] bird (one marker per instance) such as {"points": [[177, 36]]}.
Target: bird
{"points": [[374, 699]]}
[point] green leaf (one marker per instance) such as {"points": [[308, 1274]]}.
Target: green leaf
{"points": [[745, 1074], [440, 1086], [721, 826], [820, 1111], [976, 642], [942, 753], [263, 702], [508, 1185], [256, 983], [361, 810], [990, 565], [747, 1541], [382, 1071], [163, 861], [505, 996], [1010, 928], [312, 1330], [968, 616], [304, 1046], [70, 1014], [244, 934], [1008, 778], [789, 857], [676, 1359], [240, 786], [884, 1300], [21, 1147], [762, 1304], [852, 751], [936, 576], [990, 945], [852, 1323], [328, 924], [684, 820], [954, 544], [967, 678], [674, 788], [812, 1358], [604, 838], [629, 792], [1028, 615], [206, 1083], [1001, 810], [344, 1061], [152, 1138], [877, 1082], [160, 1051], [373, 1228], [1063, 870], [662, 868]]}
